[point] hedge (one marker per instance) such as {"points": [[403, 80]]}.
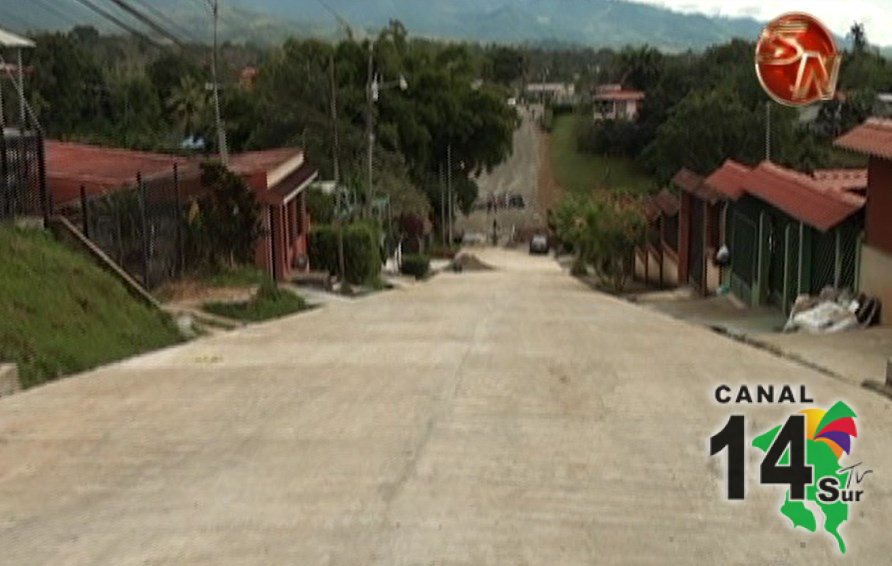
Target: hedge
{"points": [[415, 264], [362, 254]]}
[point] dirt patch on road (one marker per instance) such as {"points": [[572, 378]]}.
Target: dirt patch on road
{"points": [[470, 262], [550, 192]]}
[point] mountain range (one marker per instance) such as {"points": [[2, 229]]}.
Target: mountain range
{"points": [[596, 23]]}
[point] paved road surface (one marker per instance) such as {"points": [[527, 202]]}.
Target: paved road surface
{"points": [[519, 174], [509, 417]]}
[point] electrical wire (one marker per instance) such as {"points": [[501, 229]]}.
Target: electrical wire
{"points": [[152, 24]]}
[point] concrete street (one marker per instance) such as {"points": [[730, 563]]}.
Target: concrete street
{"points": [[502, 417]]}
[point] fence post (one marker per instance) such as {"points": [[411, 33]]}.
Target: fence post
{"points": [[41, 179], [7, 192], [85, 212], [144, 229], [180, 258]]}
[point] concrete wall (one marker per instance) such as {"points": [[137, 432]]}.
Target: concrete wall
{"points": [[876, 278]]}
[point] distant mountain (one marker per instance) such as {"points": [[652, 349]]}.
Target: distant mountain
{"points": [[608, 23]]}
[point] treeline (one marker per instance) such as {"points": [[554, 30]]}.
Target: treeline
{"points": [[121, 91], [704, 108]]}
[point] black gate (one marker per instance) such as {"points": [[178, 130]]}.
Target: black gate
{"points": [[22, 190], [697, 267]]}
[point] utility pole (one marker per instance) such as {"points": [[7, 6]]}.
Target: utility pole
{"points": [[221, 131], [342, 268], [768, 130], [442, 204], [370, 128], [449, 190]]}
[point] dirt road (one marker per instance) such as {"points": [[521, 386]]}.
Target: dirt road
{"points": [[518, 175], [502, 417]]}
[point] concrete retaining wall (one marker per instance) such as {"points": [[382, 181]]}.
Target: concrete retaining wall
{"points": [[876, 278]]}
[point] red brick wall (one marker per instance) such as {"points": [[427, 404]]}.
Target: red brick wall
{"points": [[879, 205]]}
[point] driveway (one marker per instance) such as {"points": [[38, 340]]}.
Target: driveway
{"points": [[503, 417]]}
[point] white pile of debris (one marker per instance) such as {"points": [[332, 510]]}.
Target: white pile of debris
{"points": [[833, 311]]}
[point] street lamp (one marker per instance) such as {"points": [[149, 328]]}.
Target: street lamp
{"points": [[373, 92]]}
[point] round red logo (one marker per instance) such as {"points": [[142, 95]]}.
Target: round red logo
{"points": [[797, 61]]}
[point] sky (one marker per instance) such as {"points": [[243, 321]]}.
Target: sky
{"points": [[838, 15]]}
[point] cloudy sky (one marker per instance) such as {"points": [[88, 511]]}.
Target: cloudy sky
{"points": [[836, 14]]}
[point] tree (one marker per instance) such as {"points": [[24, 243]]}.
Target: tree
{"points": [[226, 223], [190, 105], [858, 37], [604, 231]]}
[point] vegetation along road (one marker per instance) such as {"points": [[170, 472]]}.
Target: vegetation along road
{"points": [[509, 416]]}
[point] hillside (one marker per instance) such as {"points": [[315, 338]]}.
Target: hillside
{"points": [[61, 314], [584, 22]]}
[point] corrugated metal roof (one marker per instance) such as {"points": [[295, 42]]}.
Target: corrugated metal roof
{"points": [[874, 137], [801, 196], [728, 179], [11, 40]]}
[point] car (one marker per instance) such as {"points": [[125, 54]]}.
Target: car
{"points": [[539, 244]]}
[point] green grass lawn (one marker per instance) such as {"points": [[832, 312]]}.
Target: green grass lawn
{"points": [[241, 276], [60, 313], [269, 303], [582, 173]]}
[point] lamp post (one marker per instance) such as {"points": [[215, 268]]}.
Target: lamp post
{"points": [[374, 86]]}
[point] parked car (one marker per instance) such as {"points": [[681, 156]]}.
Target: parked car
{"points": [[539, 244]]}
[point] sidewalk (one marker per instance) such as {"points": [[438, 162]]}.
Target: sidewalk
{"points": [[855, 356]]}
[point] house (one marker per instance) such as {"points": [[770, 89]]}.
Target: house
{"points": [[790, 233], [556, 93], [78, 174], [280, 178], [612, 102], [700, 232], [874, 139], [657, 261]]}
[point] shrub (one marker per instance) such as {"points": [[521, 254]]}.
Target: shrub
{"points": [[362, 253], [417, 265]]}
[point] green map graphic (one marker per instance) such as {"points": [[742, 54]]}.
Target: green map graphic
{"points": [[825, 464]]}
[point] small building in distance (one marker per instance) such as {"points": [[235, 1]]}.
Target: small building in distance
{"points": [[612, 102], [555, 93]]}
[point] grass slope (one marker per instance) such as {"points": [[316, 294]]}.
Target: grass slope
{"points": [[60, 313], [582, 173], [270, 302]]}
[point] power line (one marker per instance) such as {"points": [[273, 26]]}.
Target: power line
{"points": [[162, 17], [117, 21], [146, 20]]}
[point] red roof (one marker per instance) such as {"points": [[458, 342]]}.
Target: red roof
{"points": [[103, 166], [620, 95], [874, 137], [801, 196], [666, 202], [252, 162], [842, 180], [692, 183], [728, 179]]}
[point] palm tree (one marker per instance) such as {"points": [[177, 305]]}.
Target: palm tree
{"points": [[190, 104]]}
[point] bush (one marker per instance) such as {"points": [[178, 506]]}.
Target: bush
{"points": [[417, 265], [362, 253]]}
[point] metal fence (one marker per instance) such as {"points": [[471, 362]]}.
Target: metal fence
{"points": [[143, 227], [22, 175]]}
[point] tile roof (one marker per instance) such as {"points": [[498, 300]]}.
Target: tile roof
{"points": [[873, 137], [693, 183], [262, 161], [801, 196], [620, 95], [728, 179], [666, 202], [102, 166], [843, 180]]}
